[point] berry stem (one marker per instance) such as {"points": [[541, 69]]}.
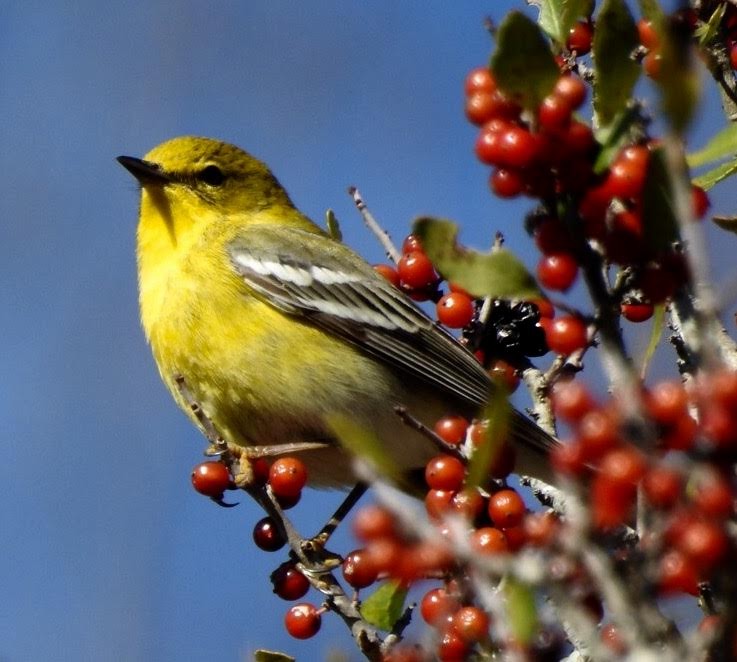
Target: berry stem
{"points": [[368, 218]]}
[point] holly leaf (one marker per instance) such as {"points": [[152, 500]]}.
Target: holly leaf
{"points": [[728, 223], [616, 73], [271, 656], [615, 136], [660, 225], [709, 179], [521, 610], [651, 10], [385, 606], [677, 80], [523, 65], [496, 413], [707, 32], [498, 274], [720, 146], [331, 221], [557, 17]]}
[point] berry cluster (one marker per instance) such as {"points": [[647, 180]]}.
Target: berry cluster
{"points": [[511, 329], [552, 156], [691, 499]]}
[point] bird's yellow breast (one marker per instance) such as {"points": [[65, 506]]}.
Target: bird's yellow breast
{"points": [[246, 362]]}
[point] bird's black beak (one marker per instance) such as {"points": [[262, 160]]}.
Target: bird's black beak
{"points": [[145, 172]]}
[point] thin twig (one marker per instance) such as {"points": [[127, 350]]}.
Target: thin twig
{"points": [[368, 218]]}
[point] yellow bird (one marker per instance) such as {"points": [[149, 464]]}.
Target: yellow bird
{"points": [[276, 327]]}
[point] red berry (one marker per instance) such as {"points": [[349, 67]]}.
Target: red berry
{"points": [[677, 574], [566, 334], [471, 624], [452, 429], [411, 243], [373, 522], [359, 569], [506, 508], [714, 496], [436, 605], [445, 472], [662, 487], [287, 477], [568, 459], [416, 271], [468, 503], [699, 197], [544, 307], [647, 34], [488, 540], [667, 402], [557, 271], [518, 147], [551, 236], [597, 432], [611, 501], [625, 179], [303, 621], [704, 543], [572, 400], [438, 503], [554, 113], [455, 310], [268, 536], [479, 80], [505, 374], [571, 89], [540, 528], [507, 182], [289, 583], [260, 470], [580, 37], [389, 272], [484, 106], [623, 465], [637, 312], [385, 554], [452, 648], [733, 56], [612, 639], [651, 64], [211, 479]]}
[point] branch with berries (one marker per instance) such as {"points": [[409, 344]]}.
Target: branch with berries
{"points": [[641, 508]]}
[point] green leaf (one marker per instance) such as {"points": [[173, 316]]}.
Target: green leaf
{"points": [[709, 179], [557, 17], [498, 274], [660, 224], [331, 221], [271, 656], [497, 412], [707, 32], [521, 610], [363, 443], [720, 146], [656, 332], [615, 136], [678, 80], [385, 605], [651, 10], [728, 223], [523, 65], [616, 73]]}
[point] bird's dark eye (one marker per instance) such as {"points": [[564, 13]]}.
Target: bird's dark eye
{"points": [[211, 175]]}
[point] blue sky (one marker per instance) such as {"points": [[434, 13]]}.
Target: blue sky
{"points": [[108, 554]]}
